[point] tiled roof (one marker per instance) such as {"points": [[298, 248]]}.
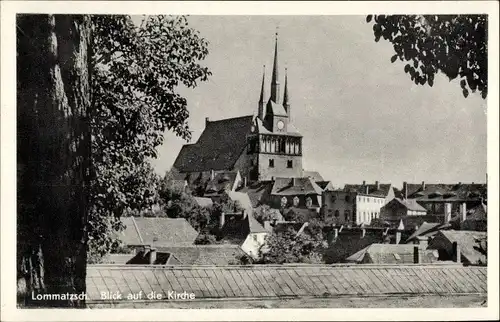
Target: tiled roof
{"points": [[426, 229], [222, 181], [218, 148], [314, 175], [258, 192], [383, 189], [204, 254], [285, 281], [203, 202], [242, 198], [447, 192], [410, 204], [302, 186], [466, 240], [157, 230], [391, 254]]}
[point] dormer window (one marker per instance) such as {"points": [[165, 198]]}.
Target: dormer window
{"points": [[289, 164]]}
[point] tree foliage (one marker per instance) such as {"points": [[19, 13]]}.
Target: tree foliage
{"points": [[456, 45], [286, 247], [136, 71]]}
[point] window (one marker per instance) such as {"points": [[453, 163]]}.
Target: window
{"points": [[271, 163], [347, 198], [337, 214], [347, 215], [289, 164]]}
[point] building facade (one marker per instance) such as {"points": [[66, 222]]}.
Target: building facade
{"points": [[356, 204]]}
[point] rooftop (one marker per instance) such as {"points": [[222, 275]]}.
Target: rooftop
{"points": [[282, 281], [382, 190], [295, 186], [158, 231], [218, 148], [391, 254]]}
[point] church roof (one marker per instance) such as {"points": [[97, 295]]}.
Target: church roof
{"points": [[218, 148]]}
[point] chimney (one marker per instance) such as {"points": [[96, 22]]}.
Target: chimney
{"points": [[152, 256], [245, 182], [335, 233], [456, 252], [222, 220], [363, 233], [367, 190], [416, 255], [398, 237], [423, 185], [423, 242], [212, 174], [447, 213], [364, 183], [377, 184], [293, 182], [206, 121], [341, 227], [405, 190], [463, 212]]}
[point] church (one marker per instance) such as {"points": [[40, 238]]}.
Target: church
{"points": [[254, 148]]}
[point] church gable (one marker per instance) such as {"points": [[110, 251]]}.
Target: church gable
{"points": [[218, 148]]}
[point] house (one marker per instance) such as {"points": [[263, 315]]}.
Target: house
{"points": [[344, 241], [467, 242], [156, 231], [296, 192], [445, 199], [400, 209], [356, 204], [393, 254], [241, 228], [244, 230], [427, 230]]}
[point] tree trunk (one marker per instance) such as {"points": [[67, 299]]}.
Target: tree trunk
{"points": [[53, 157]]}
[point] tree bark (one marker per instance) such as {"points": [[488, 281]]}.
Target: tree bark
{"points": [[53, 152]]}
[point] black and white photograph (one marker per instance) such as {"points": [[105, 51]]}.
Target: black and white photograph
{"points": [[252, 161]]}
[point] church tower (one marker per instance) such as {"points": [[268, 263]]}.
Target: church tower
{"points": [[274, 148]]}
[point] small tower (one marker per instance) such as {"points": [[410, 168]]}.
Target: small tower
{"points": [[262, 96], [275, 84], [286, 97]]}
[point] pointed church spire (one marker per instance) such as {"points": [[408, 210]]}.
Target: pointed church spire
{"points": [[286, 98], [275, 84], [262, 95]]}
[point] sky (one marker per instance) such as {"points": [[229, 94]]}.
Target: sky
{"points": [[360, 115]]}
